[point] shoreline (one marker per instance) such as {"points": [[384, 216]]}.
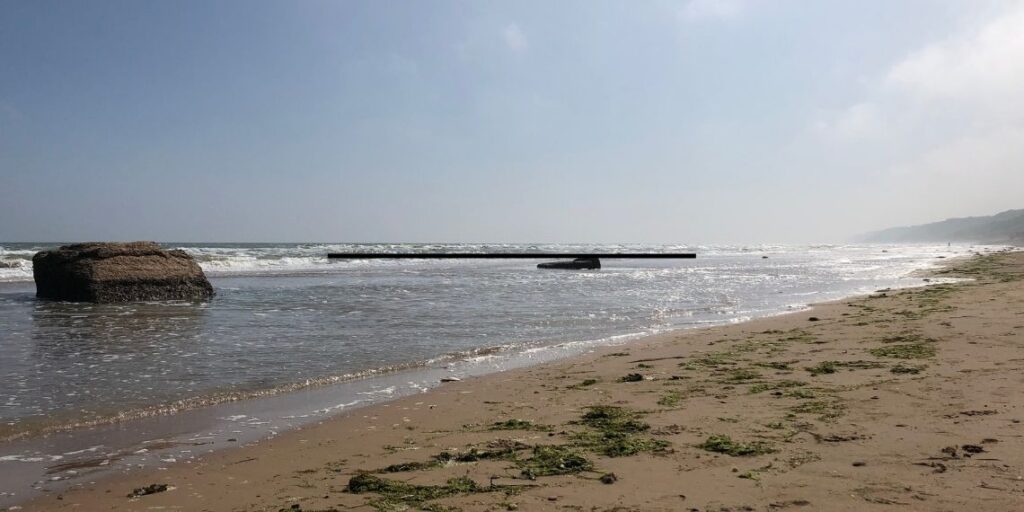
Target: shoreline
{"points": [[154, 439], [35, 427], [325, 455], [66, 458]]}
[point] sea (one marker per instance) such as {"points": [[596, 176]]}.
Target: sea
{"points": [[292, 337]]}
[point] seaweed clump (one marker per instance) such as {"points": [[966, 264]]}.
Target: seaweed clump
{"points": [[612, 418], [768, 386], [395, 494], [742, 375], [905, 351], [613, 432], [724, 444], [298, 508], [827, 410], [829, 367], [584, 383], [445, 458], [670, 399], [608, 430], [548, 460], [517, 424], [907, 370], [147, 490]]}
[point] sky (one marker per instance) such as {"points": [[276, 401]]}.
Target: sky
{"points": [[690, 121]]}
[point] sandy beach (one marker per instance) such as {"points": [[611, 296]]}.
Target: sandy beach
{"points": [[903, 400]]}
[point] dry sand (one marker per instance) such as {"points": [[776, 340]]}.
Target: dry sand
{"points": [[914, 403]]}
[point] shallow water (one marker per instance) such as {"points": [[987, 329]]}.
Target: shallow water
{"points": [[285, 317]]}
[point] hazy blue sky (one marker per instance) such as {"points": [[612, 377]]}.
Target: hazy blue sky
{"points": [[636, 121]]}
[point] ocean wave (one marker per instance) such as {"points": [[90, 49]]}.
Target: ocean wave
{"points": [[260, 259], [10, 432], [36, 427], [16, 264], [15, 270]]}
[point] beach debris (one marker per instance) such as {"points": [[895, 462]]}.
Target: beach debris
{"points": [[632, 377], [775, 365], [413, 494], [669, 430], [618, 444], [583, 384], [829, 367], [882, 500], [907, 370], [802, 394], [741, 375], [298, 508], [906, 337], [410, 466], [971, 449], [813, 319], [768, 386], [670, 399], [613, 419], [613, 432], [609, 478], [517, 424], [828, 410], [838, 438], [450, 379], [548, 460], [787, 504], [653, 359], [397, 495], [937, 467], [498, 451], [905, 351], [147, 490], [711, 360], [725, 445], [753, 474], [977, 413]]}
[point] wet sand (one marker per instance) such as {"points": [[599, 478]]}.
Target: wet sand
{"points": [[906, 400]]}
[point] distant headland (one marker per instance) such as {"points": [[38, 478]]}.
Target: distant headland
{"points": [[1003, 228]]}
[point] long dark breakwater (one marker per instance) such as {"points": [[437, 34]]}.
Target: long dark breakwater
{"points": [[510, 255], [575, 261]]}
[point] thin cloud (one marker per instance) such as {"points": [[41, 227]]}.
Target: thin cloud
{"points": [[950, 113], [858, 121], [696, 10], [970, 66], [514, 38], [976, 75]]}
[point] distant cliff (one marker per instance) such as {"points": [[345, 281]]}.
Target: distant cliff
{"points": [[1002, 228]]}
